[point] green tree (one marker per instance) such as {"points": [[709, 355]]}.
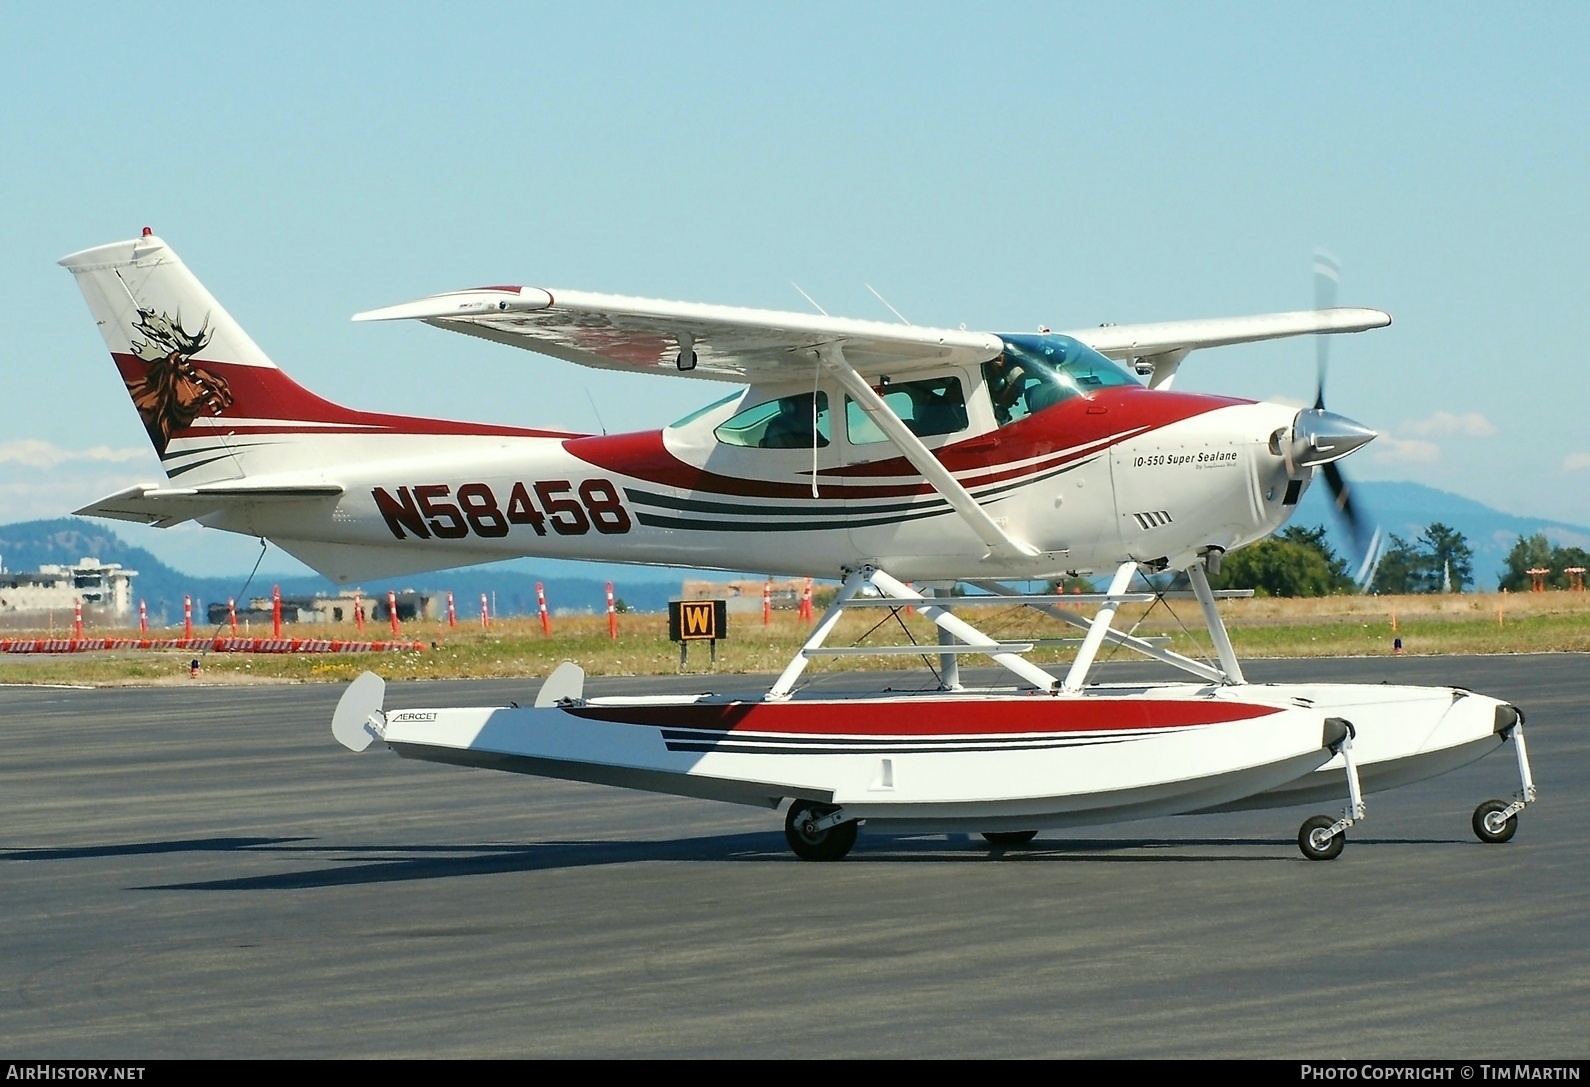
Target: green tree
{"points": [[1529, 553], [1403, 568], [1423, 565], [1564, 557], [1278, 567], [1534, 553], [1447, 554], [1341, 576]]}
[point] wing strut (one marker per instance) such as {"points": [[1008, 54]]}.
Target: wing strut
{"points": [[1000, 542]]}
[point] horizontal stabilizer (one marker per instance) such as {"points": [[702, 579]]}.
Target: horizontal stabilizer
{"points": [[153, 504]]}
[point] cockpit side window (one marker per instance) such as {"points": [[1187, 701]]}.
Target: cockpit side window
{"points": [[928, 408], [785, 423], [1038, 372]]}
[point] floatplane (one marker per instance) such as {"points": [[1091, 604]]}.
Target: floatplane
{"points": [[921, 467]]}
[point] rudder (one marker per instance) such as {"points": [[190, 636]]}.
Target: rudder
{"points": [[186, 363]]}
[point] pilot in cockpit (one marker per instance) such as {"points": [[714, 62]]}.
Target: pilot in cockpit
{"points": [[1022, 388], [1006, 383]]}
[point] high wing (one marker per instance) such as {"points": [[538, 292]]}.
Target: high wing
{"points": [[741, 345], [719, 343], [1163, 345]]}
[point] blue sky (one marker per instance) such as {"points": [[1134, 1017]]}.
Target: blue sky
{"points": [[1002, 166]]}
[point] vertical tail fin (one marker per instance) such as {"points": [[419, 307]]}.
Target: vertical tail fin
{"points": [[214, 404], [166, 334]]}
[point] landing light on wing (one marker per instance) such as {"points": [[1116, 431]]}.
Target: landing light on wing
{"points": [[480, 302]]}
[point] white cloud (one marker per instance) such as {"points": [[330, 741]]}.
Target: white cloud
{"points": [[1575, 461], [56, 495], [1443, 424], [34, 453], [39, 479], [1405, 450]]}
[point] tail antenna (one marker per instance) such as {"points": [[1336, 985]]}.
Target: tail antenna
{"points": [[600, 425]]}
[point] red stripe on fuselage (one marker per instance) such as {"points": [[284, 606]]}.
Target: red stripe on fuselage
{"points": [[264, 392], [934, 718], [1076, 422], [1003, 454]]}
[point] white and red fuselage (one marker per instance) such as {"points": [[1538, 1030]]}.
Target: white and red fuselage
{"points": [[1109, 473], [1129, 472]]}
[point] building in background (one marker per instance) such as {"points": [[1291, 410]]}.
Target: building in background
{"points": [[411, 605], [744, 596], [104, 588]]}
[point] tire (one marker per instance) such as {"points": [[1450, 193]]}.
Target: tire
{"points": [[1315, 850], [824, 845], [1009, 837], [1489, 829]]}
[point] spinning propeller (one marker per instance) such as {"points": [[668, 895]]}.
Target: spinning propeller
{"points": [[1320, 438]]}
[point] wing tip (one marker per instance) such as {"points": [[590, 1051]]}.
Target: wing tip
{"points": [[475, 302]]}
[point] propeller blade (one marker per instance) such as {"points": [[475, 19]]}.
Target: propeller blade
{"points": [[1342, 498], [1327, 277], [1371, 564]]}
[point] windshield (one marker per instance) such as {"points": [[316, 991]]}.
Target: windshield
{"points": [[699, 412], [1037, 372]]}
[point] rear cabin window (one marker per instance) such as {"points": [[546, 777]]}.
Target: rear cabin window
{"points": [[786, 423], [927, 408]]}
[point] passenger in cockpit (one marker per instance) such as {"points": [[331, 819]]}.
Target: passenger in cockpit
{"points": [[791, 428]]}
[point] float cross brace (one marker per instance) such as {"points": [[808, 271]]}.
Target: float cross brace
{"points": [[958, 636], [953, 627], [1099, 629]]}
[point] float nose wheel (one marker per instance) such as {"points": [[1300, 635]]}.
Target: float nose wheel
{"points": [[815, 832], [1320, 840], [1496, 821]]}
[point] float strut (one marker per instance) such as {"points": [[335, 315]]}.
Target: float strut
{"points": [[1078, 675], [1216, 625]]}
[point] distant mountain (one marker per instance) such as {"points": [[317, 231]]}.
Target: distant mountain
{"points": [[29, 544], [1406, 508]]}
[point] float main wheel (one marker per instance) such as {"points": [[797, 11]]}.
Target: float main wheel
{"points": [[1009, 837], [817, 845]]}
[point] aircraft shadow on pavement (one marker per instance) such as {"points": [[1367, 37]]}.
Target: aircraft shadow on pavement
{"points": [[356, 865], [133, 849]]}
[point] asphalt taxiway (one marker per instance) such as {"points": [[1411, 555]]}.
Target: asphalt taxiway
{"points": [[202, 872]]}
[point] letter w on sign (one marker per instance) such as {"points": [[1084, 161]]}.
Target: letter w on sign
{"points": [[697, 620]]}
